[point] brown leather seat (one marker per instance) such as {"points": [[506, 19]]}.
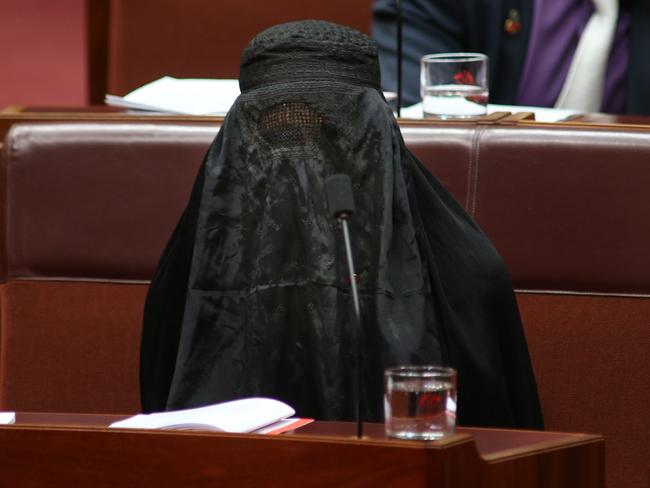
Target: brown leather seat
{"points": [[87, 208]]}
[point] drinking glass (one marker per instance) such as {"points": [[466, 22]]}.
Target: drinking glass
{"points": [[454, 85], [420, 402]]}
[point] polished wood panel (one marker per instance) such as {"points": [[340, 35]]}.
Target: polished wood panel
{"points": [[79, 114]]}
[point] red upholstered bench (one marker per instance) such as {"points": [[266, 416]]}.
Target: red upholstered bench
{"points": [[87, 208]]}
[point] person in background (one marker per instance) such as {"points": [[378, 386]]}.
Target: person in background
{"points": [[252, 296], [589, 55]]}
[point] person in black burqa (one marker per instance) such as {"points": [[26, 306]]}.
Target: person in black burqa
{"points": [[251, 296]]}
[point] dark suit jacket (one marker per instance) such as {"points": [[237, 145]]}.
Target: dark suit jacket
{"points": [[431, 26]]}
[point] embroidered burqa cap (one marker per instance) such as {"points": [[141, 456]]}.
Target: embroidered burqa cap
{"points": [[251, 296]]}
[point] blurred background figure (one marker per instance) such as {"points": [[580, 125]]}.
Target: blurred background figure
{"points": [[581, 54]]}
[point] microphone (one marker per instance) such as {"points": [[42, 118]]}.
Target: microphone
{"points": [[341, 205], [398, 6]]}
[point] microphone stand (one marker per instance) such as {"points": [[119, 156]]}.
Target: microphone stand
{"points": [[343, 219], [341, 205], [398, 6]]}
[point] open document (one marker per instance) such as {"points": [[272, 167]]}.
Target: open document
{"points": [[262, 415], [204, 96], [189, 96], [7, 417]]}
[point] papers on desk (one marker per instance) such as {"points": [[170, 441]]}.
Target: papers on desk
{"points": [[189, 96], [185, 96], [542, 114], [7, 418], [262, 415], [203, 96]]}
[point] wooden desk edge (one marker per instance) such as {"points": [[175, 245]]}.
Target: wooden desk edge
{"points": [[568, 439], [543, 447], [456, 439]]}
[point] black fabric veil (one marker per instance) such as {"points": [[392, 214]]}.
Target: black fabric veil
{"points": [[251, 297]]}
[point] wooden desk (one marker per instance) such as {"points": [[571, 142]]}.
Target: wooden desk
{"points": [[63, 450], [103, 113]]}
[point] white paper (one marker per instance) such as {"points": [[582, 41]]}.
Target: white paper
{"points": [[185, 96], [542, 114], [204, 96], [244, 415], [7, 418], [190, 96]]}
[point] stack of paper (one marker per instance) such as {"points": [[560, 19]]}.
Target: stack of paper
{"points": [[202, 96], [190, 96], [263, 415], [7, 417]]}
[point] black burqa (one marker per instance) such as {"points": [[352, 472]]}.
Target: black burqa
{"points": [[251, 297]]}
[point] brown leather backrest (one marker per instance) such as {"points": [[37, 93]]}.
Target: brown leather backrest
{"points": [[566, 207], [133, 43], [95, 200]]}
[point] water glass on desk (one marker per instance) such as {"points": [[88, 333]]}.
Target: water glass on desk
{"points": [[454, 85], [420, 402]]}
